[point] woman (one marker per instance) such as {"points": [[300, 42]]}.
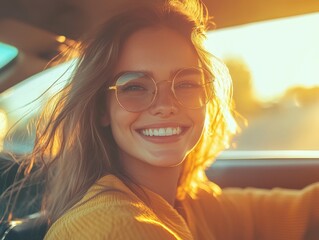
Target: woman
{"points": [[126, 144]]}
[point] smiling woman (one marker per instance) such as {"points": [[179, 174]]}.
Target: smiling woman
{"points": [[169, 57], [117, 167]]}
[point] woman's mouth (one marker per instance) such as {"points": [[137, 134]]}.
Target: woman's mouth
{"points": [[161, 132]]}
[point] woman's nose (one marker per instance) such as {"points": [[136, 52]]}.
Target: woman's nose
{"points": [[165, 103]]}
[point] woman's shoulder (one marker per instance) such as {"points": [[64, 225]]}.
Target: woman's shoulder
{"points": [[107, 206]]}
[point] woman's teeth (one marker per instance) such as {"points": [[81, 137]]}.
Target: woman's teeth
{"points": [[162, 131]]}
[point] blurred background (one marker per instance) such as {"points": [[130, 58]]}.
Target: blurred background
{"points": [[274, 66]]}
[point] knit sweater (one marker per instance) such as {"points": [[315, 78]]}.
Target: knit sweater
{"points": [[237, 214]]}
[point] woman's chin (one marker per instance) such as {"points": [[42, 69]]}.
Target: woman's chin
{"points": [[165, 160]]}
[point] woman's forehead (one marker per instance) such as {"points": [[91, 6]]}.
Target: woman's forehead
{"points": [[156, 49]]}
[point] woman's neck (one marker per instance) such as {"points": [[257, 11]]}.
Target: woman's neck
{"points": [[160, 180], [163, 182]]}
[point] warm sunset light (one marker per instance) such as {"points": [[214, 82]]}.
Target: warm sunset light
{"points": [[279, 54], [148, 220]]}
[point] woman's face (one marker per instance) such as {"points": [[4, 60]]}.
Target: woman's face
{"points": [[159, 52]]}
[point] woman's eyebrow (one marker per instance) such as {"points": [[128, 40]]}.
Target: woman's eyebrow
{"points": [[131, 71], [172, 73]]}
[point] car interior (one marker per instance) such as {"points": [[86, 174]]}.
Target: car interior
{"points": [[34, 33]]}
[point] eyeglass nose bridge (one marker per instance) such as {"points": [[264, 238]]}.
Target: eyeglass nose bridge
{"points": [[156, 93], [175, 98]]}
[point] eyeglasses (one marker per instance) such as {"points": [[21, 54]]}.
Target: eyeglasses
{"points": [[137, 91]]}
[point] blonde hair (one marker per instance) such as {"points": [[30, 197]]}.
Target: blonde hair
{"points": [[73, 150]]}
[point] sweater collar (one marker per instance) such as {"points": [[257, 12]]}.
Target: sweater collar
{"points": [[157, 204]]}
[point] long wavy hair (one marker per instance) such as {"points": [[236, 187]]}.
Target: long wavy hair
{"points": [[73, 150]]}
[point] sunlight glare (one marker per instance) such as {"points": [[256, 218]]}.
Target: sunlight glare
{"points": [[61, 39], [279, 53], [147, 220]]}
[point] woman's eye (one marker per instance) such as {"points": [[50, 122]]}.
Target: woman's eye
{"points": [[187, 84], [133, 88]]}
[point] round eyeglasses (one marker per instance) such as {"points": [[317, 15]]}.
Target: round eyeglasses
{"points": [[137, 91]]}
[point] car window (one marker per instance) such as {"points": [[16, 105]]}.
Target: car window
{"points": [[274, 66], [21, 104]]}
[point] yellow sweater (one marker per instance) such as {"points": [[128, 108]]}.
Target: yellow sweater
{"points": [[234, 214]]}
